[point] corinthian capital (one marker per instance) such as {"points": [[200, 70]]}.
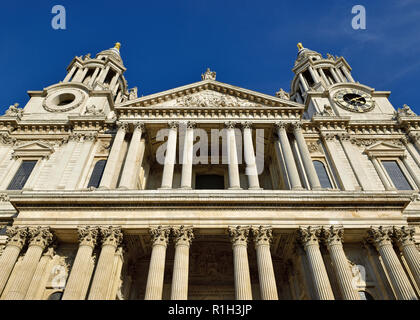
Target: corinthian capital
{"points": [[88, 236], [160, 235], [404, 235], [280, 125], [308, 236], [111, 236], [230, 125], [191, 125], [173, 124], [296, 126], [246, 125], [183, 235], [262, 235], [332, 236], [138, 125], [40, 236], [122, 125], [16, 236], [380, 236], [239, 235]]}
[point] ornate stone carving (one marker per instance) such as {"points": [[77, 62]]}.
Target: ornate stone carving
{"points": [[16, 236], [6, 139], [208, 75], [262, 235], [88, 236], [246, 125], [379, 236], [122, 125], [93, 110], [40, 236], [283, 94], [14, 111], [139, 125], [314, 147], [332, 235], [230, 125], [239, 234], [405, 111], [183, 235], [296, 126], [173, 124], [281, 125], [133, 93], [4, 197], [191, 125], [86, 57], [309, 235], [111, 236], [160, 235], [213, 99], [327, 112], [404, 235]]}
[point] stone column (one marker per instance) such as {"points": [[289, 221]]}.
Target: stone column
{"points": [[110, 174], [239, 239], [132, 160], [16, 238], [154, 286], [308, 237], [183, 237], [111, 238], [405, 239], [95, 74], [187, 158], [306, 157], [234, 182], [313, 74], [249, 155], [39, 239], [39, 279], [380, 238], [324, 77], [333, 238], [263, 237], [70, 74], [289, 160], [170, 157], [79, 275], [347, 73], [303, 83], [381, 173], [334, 74]]}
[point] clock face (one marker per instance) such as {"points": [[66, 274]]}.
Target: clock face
{"points": [[354, 100]]}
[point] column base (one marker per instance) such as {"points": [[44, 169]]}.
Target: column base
{"points": [[235, 188], [185, 188], [297, 188], [255, 188], [164, 188]]}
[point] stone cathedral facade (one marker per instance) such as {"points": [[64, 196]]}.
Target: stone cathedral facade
{"points": [[209, 191]]}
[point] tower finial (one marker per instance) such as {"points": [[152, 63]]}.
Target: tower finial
{"points": [[300, 46], [117, 46]]}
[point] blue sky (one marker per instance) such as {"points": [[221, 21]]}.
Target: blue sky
{"points": [[251, 44]]}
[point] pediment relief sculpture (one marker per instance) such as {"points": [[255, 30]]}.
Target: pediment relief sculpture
{"points": [[385, 149], [213, 99]]}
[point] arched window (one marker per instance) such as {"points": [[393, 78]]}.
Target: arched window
{"points": [[322, 174], [96, 176], [56, 295], [365, 295]]}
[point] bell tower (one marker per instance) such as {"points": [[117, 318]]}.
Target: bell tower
{"points": [[92, 86], [326, 86]]}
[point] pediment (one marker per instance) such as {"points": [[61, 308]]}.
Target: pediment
{"points": [[212, 94], [33, 149], [385, 149]]}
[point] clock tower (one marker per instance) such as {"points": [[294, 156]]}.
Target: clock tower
{"points": [[326, 86]]}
